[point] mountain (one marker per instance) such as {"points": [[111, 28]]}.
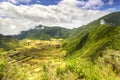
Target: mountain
{"points": [[96, 36], [7, 42], [93, 39], [44, 33], [95, 47]]}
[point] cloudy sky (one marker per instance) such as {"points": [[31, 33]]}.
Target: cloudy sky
{"points": [[20, 15]]}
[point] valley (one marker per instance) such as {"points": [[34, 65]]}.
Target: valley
{"points": [[90, 52], [46, 60]]}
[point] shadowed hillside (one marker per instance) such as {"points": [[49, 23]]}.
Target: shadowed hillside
{"points": [[7, 42]]}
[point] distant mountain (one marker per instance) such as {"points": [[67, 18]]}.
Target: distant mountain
{"points": [[44, 33], [7, 42], [93, 39]]}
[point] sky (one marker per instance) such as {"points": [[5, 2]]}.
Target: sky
{"points": [[21, 15]]}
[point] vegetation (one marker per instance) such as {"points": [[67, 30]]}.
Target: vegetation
{"points": [[10, 71], [44, 33], [8, 43], [91, 52], [97, 46]]}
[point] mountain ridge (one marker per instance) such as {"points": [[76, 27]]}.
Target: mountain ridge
{"points": [[44, 33], [95, 33]]}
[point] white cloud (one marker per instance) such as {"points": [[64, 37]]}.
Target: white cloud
{"points": [[110, 2], [111, 10], [12, 27], [81, 3], [65, 14], [93, 4]]}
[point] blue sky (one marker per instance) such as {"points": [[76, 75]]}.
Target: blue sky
{"points": [[31, 2], [25, 2], [21, 15]]}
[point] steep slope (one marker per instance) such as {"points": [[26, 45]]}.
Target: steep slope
{"points": [[93, 50], [44, 33], [7, 42], [92, 39]]}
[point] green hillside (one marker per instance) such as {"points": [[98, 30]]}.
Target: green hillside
{"points": [[94, 37], [96, 48], [7, 42], [44, 33]]}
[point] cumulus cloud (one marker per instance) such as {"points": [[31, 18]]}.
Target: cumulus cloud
{"points": [[65, 14], [93, 4]]}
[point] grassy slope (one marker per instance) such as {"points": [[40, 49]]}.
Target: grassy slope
{"points": [[93, 38], [96, 47]]}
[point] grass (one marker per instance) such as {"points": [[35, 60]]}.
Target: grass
{"points": [[46, 62], [89, 54], [88, 71]]}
